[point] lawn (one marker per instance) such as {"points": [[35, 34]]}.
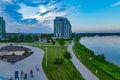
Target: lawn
{"points": [[66, 71], [44, 43], [106, 70]]}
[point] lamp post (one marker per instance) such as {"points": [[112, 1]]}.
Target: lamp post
{"points": [[46, 56], [39, 44]]}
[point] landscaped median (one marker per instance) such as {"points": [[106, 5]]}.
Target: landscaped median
{"points": [[102, 69]]}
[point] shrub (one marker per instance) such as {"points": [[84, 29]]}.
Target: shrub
{"points": [[25, 53], [61, 41], [67, 55], [58, 61], [21, 46], [11, 44], [101, 57], [13, 54], [53, 42]]}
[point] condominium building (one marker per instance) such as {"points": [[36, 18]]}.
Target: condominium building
{"points": [[2, 28], [62, 28]]}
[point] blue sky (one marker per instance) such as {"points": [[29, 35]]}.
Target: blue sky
{"points": [[36, 16]]}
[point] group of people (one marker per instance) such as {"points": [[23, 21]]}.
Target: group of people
{"points": [[24, 76]]}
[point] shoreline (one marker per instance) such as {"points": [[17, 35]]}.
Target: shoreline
{"points": [[106, 68], [105, 56]]}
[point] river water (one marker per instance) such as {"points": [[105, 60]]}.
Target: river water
{"points": [[107, 45]]}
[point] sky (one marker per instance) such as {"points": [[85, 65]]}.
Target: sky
{"points": [[37, 16]]}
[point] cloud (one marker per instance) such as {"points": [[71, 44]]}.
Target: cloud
{"points": [[8, 1], [31, 15], [44, 14], [36, 3], [116, 4], [27, 11]]}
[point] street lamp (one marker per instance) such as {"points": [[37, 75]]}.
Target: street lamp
{"points": [[39, 44], [46, 56]]}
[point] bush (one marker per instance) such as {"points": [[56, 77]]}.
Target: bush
{"points": [[58, 61], [13, 54], [11, 44], [25, 53], [101, 57], [61, 41], [67, 55], [53, 42], [21, 46]]}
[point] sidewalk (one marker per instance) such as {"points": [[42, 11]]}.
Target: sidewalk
{"points": [[7, 69], [85, 72]]}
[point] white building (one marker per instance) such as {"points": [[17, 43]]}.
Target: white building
{"points": [[62, 28]]}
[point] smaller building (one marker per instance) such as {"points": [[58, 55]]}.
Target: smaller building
{"points": [[2, 28]]}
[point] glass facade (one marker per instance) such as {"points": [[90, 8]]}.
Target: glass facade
{"points": [[62, 28], [2, 28]]}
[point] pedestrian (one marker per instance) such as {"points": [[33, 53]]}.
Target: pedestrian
{"points": [[11, 78], [37, 68], [21, 74], [25, 76], [31, 73]]}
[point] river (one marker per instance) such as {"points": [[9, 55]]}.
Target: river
{"points": [[107, 45]]}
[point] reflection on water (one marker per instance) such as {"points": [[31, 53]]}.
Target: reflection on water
{"points": [[107, 45]]}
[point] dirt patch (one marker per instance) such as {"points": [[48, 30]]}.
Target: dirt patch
{"points": [[12, 58]]}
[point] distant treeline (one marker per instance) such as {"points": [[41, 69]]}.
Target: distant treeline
{"points": [[26, 37], [79, 35]]}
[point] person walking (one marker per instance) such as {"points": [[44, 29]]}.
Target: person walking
{"points": [[31, 73], [25, 76], [37, 68], [21, 74]]}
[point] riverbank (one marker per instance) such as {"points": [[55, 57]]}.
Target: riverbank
{"points": [[103, 70]]}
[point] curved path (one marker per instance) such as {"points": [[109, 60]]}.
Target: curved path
{"points": [[85, 72], [7, 69]]}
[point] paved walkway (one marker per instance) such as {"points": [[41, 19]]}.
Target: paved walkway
{"points": [[85, 72], [7, 69]]}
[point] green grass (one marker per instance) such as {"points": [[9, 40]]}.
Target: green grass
{"points": [[66, 71], [106, 70], [44, 43]]}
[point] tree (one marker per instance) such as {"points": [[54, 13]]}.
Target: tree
{"points": [[29, 38], [48, 40], [101, 57], [22, 37], [15, 38], [53, 42], [61, 41], [59, 61], [35, 38], [25, 52], [67, 55], [13, 54]]}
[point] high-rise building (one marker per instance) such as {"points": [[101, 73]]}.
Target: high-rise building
{"points": [[2, 28], [62, 28]]}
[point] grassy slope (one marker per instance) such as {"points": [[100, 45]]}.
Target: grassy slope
{"points": [[106, 71]]}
